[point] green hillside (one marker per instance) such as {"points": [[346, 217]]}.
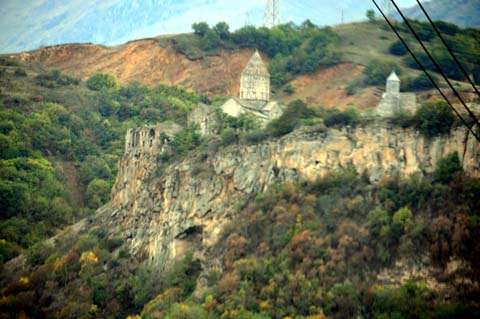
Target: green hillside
{"points": [[304, 250], [61, 143]]}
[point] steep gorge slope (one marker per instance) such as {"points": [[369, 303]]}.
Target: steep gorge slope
{"points": [[146, 62], [149, 62], [159, 208], [160, 213]]}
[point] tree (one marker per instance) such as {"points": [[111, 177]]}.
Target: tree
{"points": [[222, 29], [97, 192], [420, 82], [100, 81], [377, 71], [397, 48], [200, 28], [434, 118], [211, 40], [295, 111], [370, 15], [378, 221], [401, 219], [446, 167]]}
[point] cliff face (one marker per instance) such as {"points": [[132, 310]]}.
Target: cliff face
{"points": [[163, 212]]}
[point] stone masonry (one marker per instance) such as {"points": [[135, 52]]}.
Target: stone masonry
{"points": [[150, 139], [393, 102]]}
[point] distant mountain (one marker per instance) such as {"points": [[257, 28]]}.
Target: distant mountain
{"points": [[29, 24], [465, 13]]}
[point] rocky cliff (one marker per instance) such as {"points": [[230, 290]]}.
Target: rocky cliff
{"points": [[164, 211]]}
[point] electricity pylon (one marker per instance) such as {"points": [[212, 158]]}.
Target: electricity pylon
{"points": [[271, 17], [387, 7]]}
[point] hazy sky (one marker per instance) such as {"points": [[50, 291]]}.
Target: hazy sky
{"points": [[27, 24]]}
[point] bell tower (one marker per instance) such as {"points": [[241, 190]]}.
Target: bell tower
{"points": [[255, 80]]}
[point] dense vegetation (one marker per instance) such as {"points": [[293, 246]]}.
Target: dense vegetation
{"points": [[299, 250], [293, 49], [465, 43], [60, 143], [303, 250]]}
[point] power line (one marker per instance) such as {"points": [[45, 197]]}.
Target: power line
{"points": [[425, 71], [448, 48], [435, 63]]}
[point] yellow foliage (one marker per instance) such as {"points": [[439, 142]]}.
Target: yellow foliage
{"points": [[310, 199], [320, 315], [22, 315], [88, 258], [58, 263], [24, 280], [93, 308], [264, 305], [134, 317]]}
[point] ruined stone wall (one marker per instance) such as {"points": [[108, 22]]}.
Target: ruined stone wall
{"points": [[205, 118], [149, 139], [394, 104]]}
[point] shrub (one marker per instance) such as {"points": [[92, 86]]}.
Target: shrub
{"points": [[186, 140], [295, 111], [447, 28], [38, 253], [100, 81], [434, 118], [397, 48], [378, 221], [229, 136], [8, 61], [421, 82], [113, 243], [446, 167], [376, 72], [257, 136], [54, 78], [288, 89], [402, 218], [347, 117], [20, 72]]}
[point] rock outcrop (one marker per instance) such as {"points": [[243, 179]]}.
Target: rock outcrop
{"points": [[162, 212]]}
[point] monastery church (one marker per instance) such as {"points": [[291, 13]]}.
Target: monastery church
{"points": [[254, 93]]}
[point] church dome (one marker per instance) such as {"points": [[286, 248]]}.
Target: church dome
{"points": [[393, 77], [256, 66]]}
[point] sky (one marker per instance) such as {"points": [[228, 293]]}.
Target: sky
{"points": [[29, 24]]}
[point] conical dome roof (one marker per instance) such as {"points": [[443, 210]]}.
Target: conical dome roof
{"points": [[256, 66], [393, 77]]}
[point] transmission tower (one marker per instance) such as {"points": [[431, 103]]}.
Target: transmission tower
{"points": [[387, 8], [271, 17]]}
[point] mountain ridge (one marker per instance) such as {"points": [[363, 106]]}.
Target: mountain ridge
{"points": [[35, 23], [463, 13]]}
